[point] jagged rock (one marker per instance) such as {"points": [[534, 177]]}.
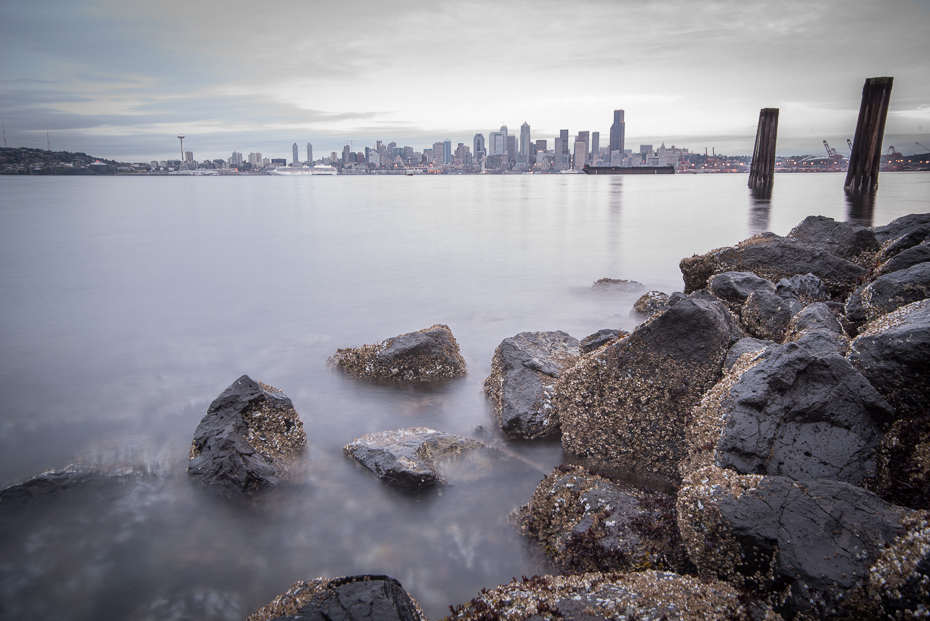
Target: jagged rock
{"points": [[905, 259], [427, 355], [351, 598], [893, 353], [649, 304], [647, 595], [248, 439], [900, 578], [524, 370], [745, 346], [903, 476], [854, 314], [627, 404], [767, 315], [793, 414], [599, 339], [587, 522], [617, 285], [853, 242], [823, 342], [409, 458], [771, 257], [734, 287], [905, 225], [816, 316], [807, 288], [808, 544], [894, 290]]}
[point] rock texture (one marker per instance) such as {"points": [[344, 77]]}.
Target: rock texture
{"points": [[903, 476], [906, 258], [766, 315], [849, 241], [599, 339], [409, 458], [745, 346], [627, 405], [428, 355], [892, 291], [649, 304], [807, 288], [249, 439], [351, 598], [905, 225], [587, 522], [617, 285], [734, 287], [524, 370]]}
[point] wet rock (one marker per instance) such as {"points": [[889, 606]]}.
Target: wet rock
{"points": [[599, 339], [808, 544], [249, 439], [816, 316], [853, 242], [773, 258], [900, 227], [767, 315], [900, 578], [651, 595], [626, 405], [409, 458], [903, 476], [793, 414], [807, 288], [427, 355], [905, 259], [524, 370], [745, 346], [50, 484], [893, 353], [351, 598], [617, 285], [891, 291], [587, 522], [649, 304], [823, 342], [734, 287]]}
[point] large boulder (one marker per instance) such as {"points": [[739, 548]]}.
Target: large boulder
{"points": [[734, 287], [627, 405], [807, 288], [771, 257], [891, 291], [900, 227], [893, 353], [853, 242], [587, 522], [906, 258], [524, 370], [766, 315], [791, 413], [351, 598], [409, 458], [249, 439], [807, 544], [427, 355]]}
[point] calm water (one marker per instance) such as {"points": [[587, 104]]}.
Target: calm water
{"points": [[128, 304]]}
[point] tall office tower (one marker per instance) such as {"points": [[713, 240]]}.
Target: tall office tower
{"points": [[446, 151], [511, 149], [345, 155], [236, 158], [525, 151], [595, 147], [586, 137], [294, 150], [617, 133], [479, 144], [581, 154], [557, 154], [540, 145], [309, 153], [189, 157], [437, 152], [566, 147]]}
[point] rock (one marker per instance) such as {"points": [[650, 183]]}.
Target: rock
{"points": [[649, 304], [524, 370], [745, 346], [807, 288], [902, 226], [626, 406], [647, 595], [198, 604], [903, 476], [894, 290], [905, 259], [849, 241], [766, 315], [409, 458], [806, 543], [816, 316], [893, 353], [854, 314], [351, 598], [587, 522], [773, 258], [900, 578], [734, 287], [428, 355], [249, 439], [793, 414], [823, 342], [611, 285], [50, 484], [599, 339]]}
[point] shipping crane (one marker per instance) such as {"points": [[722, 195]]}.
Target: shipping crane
{"points": [[831, 152], [849, 142], [921, 146]]}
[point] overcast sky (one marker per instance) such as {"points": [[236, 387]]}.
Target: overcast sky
{"points": [[121, 78]]}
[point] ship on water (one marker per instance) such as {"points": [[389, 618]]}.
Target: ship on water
{"points": [[628, 170], [304, 171]]}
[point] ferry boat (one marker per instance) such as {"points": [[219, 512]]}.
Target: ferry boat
{"points": [[629, 170], [319, 169]]}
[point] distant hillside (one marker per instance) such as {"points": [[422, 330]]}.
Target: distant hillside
{"points": [[23, 161]]}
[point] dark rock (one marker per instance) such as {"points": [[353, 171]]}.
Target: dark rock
{"points": [[734, 287], [767, 315], [678, 296], [649, 304], [854, 315], [816, 316], [409, 458], [524, 370], [626, 405], [587, 522], [191, 605], [806, 543], [352, 598], [50, 484], [900, 578], [893, 353], [610, 285], [599, 339], [905, 259], [902, 226], [805, 287], [853, 242], [773, 258], [428, 355], [793, 414], [745, 346], [823, 342], [248, 439], [891, 291], [903, 476]]}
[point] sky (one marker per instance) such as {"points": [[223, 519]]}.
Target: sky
{"points": [[122, 78]]}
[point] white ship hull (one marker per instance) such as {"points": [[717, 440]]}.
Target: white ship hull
{"points": [[313, 171]]}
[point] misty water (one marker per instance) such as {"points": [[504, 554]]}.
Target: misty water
{"points": [[128, 304]]}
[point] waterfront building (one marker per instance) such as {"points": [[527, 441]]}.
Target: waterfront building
{"points": [[294, 150], [595, 147], [617, 133], [581, 154], [309, 154], [525, 150]]}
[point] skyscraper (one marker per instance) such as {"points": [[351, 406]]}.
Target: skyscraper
{"points": [[294, 149], [565, 155], [309, 153], [479, 144], [595, 147], [617, 133], [585, 137], [525, 151], [446, 151]]}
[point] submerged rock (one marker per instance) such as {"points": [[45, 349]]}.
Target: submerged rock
{"points": [[248, 439], [619, 285], [409, 458], [427, 355], [524, 370]]}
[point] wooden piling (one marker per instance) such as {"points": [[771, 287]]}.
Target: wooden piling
{"points": [[866, 157], [762, 170]]}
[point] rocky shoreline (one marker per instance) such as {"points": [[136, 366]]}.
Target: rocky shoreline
{"points": [[778, 406]]}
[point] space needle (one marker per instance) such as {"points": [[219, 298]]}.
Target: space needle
{"points": [[181, 138]]}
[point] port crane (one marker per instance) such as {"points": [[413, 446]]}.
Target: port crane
{"points": [[922, 146], [831, 152], [849, 142]]}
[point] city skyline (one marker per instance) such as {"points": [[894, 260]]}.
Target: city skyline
{"points": [[123, 79]]}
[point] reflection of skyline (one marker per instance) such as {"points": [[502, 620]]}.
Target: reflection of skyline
{"points": [[760, 209]]}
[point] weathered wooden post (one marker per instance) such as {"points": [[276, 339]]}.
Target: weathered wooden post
{"points": [[866, 157], [762, 170]]}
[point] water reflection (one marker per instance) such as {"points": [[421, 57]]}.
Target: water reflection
{"points": [[860, 207], [760, 206]]}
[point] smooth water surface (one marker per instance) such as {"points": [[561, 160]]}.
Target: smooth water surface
{"points": [[128, 304]]}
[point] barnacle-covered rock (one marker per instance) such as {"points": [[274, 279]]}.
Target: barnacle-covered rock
{"points": [[249, 438], [595, 341], [427, 355], [892, 291], [649, 304], [734, 287], [849, 241], [767, 315], [610, 285]]}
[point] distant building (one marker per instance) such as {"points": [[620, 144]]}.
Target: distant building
{"points": [[478, 144], [437, 152], [309, 153], [189, 157], [294, 150], [617, 133], [511, 150], [526, 152], [595, 147], [564, 155], [581, 154], [540, 145], [345, 155], [281, 161], [446, 151]]}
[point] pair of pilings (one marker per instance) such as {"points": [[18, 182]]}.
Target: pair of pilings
{"points": [[866, 157]]}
